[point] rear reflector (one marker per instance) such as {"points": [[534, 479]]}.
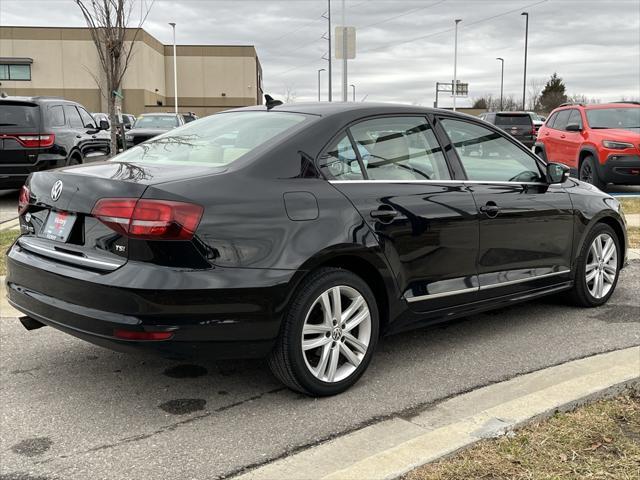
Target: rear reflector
{"points": [[134, 335], [149, 219], [42, 140], [23, 199]]}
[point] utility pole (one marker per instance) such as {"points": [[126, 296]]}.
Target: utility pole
{"points": [[455, 64], [526, 46], [345, 87], [329, 35], [320, 70], [175, 71], [501, 81]]}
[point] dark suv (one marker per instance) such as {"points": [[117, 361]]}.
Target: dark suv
{"points": [[39, 133], [518, 124]]}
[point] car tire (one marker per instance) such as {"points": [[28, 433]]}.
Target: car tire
{"points": [[343, 347], [75, 159], [589, 172], [590, 268]]}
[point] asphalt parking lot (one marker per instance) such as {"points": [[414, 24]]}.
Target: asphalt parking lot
{"points": [[71, 410]]}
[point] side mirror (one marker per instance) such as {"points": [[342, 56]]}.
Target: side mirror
{"points": [[573, 127], [557, 173], [104, 125]]}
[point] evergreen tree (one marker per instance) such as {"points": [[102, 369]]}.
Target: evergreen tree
{"points": [[553, 94]]}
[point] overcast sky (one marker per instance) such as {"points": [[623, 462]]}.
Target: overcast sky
{"points": [[403, 47]]}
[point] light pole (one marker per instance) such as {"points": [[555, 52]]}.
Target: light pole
{"points": [[455, 65], [501, 81], [354, 91], [329, 35], [320, 70], [526, 45], [175, 71]]}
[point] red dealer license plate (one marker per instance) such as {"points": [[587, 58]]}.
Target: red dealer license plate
{"points": [[58, 226]]}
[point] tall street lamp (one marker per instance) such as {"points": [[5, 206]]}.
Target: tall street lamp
{"points": [[320, 70], [175, 71], [354, 91], [455, 65], [330, 53], [526, 42], [501, 81]]}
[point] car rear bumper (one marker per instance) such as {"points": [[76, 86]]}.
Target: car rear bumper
{"points": [[621, 169], [14, 175], [220, 313]]}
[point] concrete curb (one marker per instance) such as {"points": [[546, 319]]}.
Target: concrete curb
{"points": [[393, 447], [9, 224]]}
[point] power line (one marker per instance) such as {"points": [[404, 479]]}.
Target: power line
{"points": [[469, 24], [408, 12]]}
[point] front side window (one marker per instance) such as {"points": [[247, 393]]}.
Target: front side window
{"points": [[87, 120], [15, 72], [399, 148], [575, 118], [562, 120], [71, 113], [216, 141], [489, 156]]}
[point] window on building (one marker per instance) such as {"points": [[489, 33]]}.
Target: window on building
{"points": [[10, 71]]}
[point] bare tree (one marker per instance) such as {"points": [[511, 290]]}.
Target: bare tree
{"points": [[108, 22], [534, 90], [290, 95]]}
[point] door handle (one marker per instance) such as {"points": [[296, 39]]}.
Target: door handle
{"points": [[491, 210], [563, 136], [546, 134], [78, 136], [384, 214]]}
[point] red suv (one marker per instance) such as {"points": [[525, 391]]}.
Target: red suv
{"points": [[600, 143]]}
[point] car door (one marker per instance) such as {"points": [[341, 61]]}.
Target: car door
{"points": [[98, 144], [572, 141], [395, 173], [557, 135], [525, 224]]}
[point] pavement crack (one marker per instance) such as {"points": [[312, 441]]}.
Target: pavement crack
{"points": [[166, 428]]}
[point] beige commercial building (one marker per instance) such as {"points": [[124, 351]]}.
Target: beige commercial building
{"points": [[63, 62]]}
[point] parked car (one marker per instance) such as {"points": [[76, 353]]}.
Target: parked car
{"points": [[128, 120], [149, 125], [305, 234], [538, 120], [189, 117], [39, 133], [599, 143], [517, 124]]}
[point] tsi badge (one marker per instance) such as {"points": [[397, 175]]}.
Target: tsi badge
{"points": [[56, 190]]}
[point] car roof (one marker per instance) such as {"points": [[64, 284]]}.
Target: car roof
{"points": [[157, 114], [38, 99]]}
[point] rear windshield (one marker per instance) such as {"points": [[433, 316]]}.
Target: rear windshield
{"points": [[157, 121], [513, 120], [19, 115], [614, 117], [216, 140]]}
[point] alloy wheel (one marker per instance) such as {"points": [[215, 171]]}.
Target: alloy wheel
{"points": [[586, 173], [602, 266], [336, 334]]}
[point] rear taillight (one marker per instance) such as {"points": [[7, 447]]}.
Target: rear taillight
{"points": [[42, 140], [149, 219], [23, 199]]}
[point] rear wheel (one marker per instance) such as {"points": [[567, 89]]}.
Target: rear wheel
{"points": [[589, 172], [75, 159], [329, 334], [597, 268]]}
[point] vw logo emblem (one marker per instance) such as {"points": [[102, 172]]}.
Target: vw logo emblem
{"points": [[56, 190]]}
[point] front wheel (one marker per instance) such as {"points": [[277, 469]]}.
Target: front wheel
{"points": [[597, 268], [589, 173], [328, 335]]}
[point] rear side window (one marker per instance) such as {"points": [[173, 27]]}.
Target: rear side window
{"points": [[399, 148], [217, 140], [73, 116], [340, 162], [19, 115], [562, 120], [513, 120], [56, 116]]}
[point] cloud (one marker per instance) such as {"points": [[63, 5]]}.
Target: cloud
{"points": [[404, 47]]}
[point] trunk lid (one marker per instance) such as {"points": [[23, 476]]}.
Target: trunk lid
{"points": [[59, 223]]}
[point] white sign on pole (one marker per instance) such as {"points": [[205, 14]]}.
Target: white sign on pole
{"points": [[350, 43]]}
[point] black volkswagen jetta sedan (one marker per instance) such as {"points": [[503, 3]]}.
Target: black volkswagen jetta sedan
{"points": [[302, 233]]}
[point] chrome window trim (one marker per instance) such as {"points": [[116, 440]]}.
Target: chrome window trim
{"points": [[484, 287], [492, 182]]}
